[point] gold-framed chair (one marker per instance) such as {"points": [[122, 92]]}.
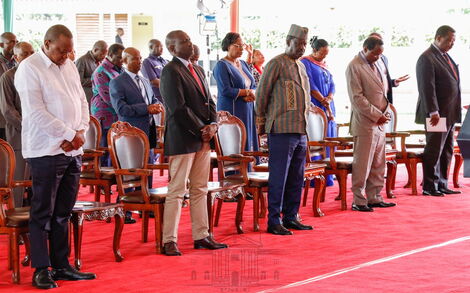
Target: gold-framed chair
{"points": [[13, 221]]}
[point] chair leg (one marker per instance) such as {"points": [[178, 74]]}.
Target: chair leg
{"points": [[97, 193], [413, 167], [391, 170], [317, 195], [158, 212], [107, 193], [26, 259], [161, 160], [263, 206], [217, 212], [15, 257], [342, 189], [306, 189], [458, 163], [408, 169], [256, 197], [239, 214], [145, 225]]}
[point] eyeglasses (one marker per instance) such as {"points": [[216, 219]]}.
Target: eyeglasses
{"points": [[242, 46]]}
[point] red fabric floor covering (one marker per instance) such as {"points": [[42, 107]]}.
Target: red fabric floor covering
{"points": [[260, 261]]}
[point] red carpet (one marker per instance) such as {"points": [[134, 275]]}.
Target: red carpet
{"points": [[261, 261]]}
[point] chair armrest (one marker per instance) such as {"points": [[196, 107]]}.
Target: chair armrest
{"points": [[329, 143], [236, 158], [257, 153], [414, 132], [103, 149], [398, 134], [157, 166], [133, 172], [340, 138], [93, 153], [342, 124], [22, 183]]}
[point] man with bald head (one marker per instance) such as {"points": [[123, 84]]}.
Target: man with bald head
{"points": [[54, 119], [10, 108], [195, 57], [190, 125], [7, 42], [87, 64], [153, 66]]}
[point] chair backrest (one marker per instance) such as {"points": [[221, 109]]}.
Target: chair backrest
{"points": [[391, 126], [231, 136], [129, 148], [229, 140], [316, 126], [93, 135], [7, 169]]}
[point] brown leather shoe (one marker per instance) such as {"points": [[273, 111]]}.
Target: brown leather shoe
{"points": [[208, 243], [171, 249]]}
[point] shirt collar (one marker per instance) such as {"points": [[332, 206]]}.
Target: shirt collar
{"points": [[440, 51], [45, 59], [131, 74], [91, 55], [185, 62]]}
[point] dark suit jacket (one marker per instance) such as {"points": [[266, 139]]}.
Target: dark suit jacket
{"points": [[390, 81], [10, 107], [188, 109], [86, 65], [438, 88], [128, 102]]}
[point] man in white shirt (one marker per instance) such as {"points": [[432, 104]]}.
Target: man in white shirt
{"points": [[55, 118]]}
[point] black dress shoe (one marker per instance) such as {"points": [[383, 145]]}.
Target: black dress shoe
{"points": [[208, 243], [129, 220], [296, 225], [71, 274], [362, 208], [433, 193], [43, 280], [171, 249], [382, 204], [446, 190], [279, 230]]}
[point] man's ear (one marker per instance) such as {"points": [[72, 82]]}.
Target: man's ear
{"points": [[46, 44]]}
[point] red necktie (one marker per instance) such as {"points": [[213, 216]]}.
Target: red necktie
{"points": [[451, 65], [193, 73]]}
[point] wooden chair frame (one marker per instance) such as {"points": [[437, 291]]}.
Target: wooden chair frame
{"points": [[122, 129]]}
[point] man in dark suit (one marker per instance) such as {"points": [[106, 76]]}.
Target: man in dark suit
{"points": [[383, 65], [134, 102], [439, 97], [190, 125]]}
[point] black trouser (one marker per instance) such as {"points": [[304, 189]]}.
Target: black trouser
{"points": [[437, 156], [55, 187]]}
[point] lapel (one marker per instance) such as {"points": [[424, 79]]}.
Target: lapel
{"points": [[187, 75], [443, 61], [134, 86], [368, 70]]}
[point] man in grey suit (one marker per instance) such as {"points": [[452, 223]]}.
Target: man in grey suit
{"points": [[10, 107], [439, 96], [87, 64], [367, 88]]}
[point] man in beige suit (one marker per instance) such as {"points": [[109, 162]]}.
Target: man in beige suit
{"points": [[367, 88]]}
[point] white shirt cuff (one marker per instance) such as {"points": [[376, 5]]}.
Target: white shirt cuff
{"points": [[433, 113], [69, 134]]}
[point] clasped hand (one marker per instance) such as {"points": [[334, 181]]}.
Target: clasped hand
{"points": [[155, 108], [208, 132], [76, 143], [384, 119]]}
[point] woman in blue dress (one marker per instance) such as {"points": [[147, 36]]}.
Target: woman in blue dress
{"points": [[235, 87], [322, 87]]}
